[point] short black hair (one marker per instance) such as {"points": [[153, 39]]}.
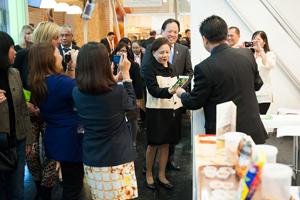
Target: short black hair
{"points": [[237, 30], [169, 21], [110, 33], [5, 43], [134, 36], [138, 42], [156, 44], [152, 32], [214, 29], [187, 30]]}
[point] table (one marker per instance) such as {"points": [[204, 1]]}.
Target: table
{"points": [[281, 120], [208, 154], [287, 120]]}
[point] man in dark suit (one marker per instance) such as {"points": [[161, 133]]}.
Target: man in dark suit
{"points": [[179, 58], [150, 39], [66, 37], [227, 75], [109, 42]]}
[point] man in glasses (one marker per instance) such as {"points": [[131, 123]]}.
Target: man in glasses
{"points": [[66, 37]]}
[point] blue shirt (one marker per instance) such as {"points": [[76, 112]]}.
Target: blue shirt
{"points": [[62, 142]]}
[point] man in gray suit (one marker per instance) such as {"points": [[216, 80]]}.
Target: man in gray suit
{"points": [[179, 58]]}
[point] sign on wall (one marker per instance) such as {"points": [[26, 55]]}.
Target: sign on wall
{"points": [[142, 3]]}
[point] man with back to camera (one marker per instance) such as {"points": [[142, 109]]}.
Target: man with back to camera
{"points": [[233, 37], [66, 37], [109, 42], [180, 59], [150, 39], [228, 74]]}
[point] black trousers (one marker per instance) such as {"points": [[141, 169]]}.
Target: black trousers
{"points": [[72, 173], [263, 108]]}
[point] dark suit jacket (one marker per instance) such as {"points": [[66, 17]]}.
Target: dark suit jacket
{"points": [[181, 61], [107, 140], [147, 42], [62, 54], [105, 42], [228, 75], [142, 55]]}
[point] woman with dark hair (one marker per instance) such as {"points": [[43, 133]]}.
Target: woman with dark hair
{"points": [[101, 104], [163, 110], [14, 118], [266, 60], [126, 41], [51, 90], [122, 49]]}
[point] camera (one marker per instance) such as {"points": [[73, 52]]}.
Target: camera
{"points": [[248, 44], [68, 58], [116, 58]]}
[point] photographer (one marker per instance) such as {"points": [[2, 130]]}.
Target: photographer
{"points": [[266, 60]]}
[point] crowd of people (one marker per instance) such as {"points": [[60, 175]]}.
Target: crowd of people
{"points": [[85, 108]]}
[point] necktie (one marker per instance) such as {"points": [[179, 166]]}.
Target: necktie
{"points": [[66, 50], [171, 56]]}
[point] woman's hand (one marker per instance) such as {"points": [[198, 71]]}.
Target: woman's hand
{"points": [[173, 91], [2, 96], [256, 46], [74, 54], [28, 148], [124, 66], [116, 77], [243, 45], [32, 110]]}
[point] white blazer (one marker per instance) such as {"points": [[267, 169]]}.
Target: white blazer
{"points": [[265, 94]]}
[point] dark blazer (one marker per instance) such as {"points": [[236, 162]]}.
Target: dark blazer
{"points": [[147, 42], [181, 61], [105, 42], [135, 75], [62, 54], [141, 55], [107, 140], [228, 75]]}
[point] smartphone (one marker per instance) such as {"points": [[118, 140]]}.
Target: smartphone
{"points": [[116, 58], [248, 44], [68, 58]]}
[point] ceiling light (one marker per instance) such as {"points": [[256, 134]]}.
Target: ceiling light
{"points": [[165, 1], [48, 4], [74, 10], [61, 7]]}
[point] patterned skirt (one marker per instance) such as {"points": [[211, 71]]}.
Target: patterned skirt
{"points": [[116, 182]]}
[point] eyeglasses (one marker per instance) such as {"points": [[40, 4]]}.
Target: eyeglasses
{"points": [[122, 51], [65, 35]]}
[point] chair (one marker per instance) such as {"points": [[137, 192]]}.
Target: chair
{"points": [[286, 111]]}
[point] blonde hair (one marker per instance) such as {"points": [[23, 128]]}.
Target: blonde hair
{"points": [[45, 31], [22, 41]]}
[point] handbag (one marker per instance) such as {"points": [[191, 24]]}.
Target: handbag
{"points": [[8, 153]]}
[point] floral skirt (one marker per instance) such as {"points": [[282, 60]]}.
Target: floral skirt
{"points": [[116, 182]]}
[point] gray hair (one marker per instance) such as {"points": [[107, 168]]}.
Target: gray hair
{"points": [[66, 27], [22, 41]]}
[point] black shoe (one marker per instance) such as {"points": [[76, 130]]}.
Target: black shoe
{"points": [[144, 170], [168, 186], [150, 186], [173, 166]]}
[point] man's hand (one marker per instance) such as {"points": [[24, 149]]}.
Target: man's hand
{"points": [[179, 92]]}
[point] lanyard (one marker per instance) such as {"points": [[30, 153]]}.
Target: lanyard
{"points": [[135, 60]]}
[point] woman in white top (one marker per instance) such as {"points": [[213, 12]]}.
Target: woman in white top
{"points": [[266, 60]]}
